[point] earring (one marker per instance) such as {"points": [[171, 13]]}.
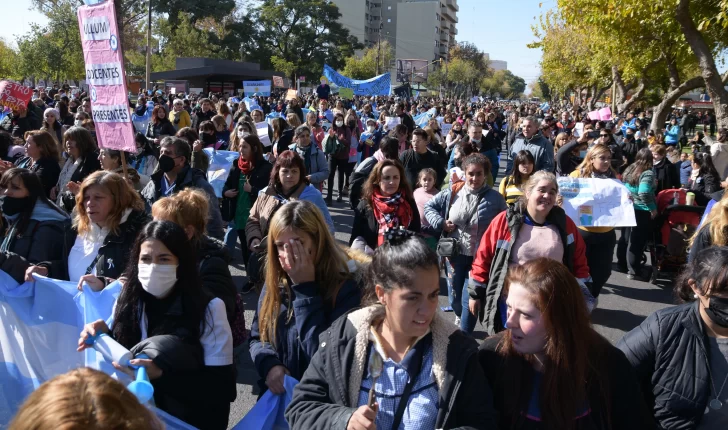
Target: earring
{"points": [[695, 296]]}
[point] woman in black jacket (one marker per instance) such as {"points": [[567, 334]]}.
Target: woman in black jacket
{"points": [[249, 174], [33, 226], [164, 312], [680, 353], [160, 126], [42, 159], [82, 161], [707, 181], [386, 202], [401, 328], [665, 174], [550, 368]]}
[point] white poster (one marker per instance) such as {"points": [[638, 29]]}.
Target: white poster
{"points": [[597, 202], [391, 122], [262, 128], [445, 129]]}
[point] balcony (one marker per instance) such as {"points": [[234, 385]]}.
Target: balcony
{"points": [[442, 50], [452, 4], [453, 29], [444, 37], [447, 13]]}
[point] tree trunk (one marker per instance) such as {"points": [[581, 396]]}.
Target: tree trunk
{"points": [[659, 112], [625, 105], [708, 70]]}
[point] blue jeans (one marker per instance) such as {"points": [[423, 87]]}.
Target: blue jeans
{"points": [[461, 267], [467, 320], [492, 155]]}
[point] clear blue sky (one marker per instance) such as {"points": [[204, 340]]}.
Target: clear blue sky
{"points": [[500, 28]]}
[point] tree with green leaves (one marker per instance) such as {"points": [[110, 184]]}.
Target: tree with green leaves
{"points": [[304, 32], [8, 61], [365, 67], [503, 84]]}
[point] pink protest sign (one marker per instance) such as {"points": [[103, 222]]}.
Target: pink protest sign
{"points": [[594, 115], [605, 114], [105, 76], [14, 95]]}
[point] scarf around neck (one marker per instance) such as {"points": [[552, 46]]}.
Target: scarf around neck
{"points": [[245, 166], [390, 212]]}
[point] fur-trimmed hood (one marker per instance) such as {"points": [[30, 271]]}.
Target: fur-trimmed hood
{"points": [[362, 319]]}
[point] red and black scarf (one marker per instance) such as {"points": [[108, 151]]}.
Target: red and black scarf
{"points": [[390, 212]]}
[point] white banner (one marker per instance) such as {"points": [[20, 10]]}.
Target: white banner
{"points": [[111, 113], [96, 28], [597, 202], [262, 129], [104, 74]]}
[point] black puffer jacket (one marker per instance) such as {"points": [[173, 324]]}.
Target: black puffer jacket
{"points": [[115, 250], [703, 187], [215, 276], [666, 176], [328, 393], [47, 169], [88, 165], [669, 354]]}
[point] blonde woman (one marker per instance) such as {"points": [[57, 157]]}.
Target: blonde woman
{"points": [[293, 120], [600, 241], [309, 283], [179, 116], [713, 231]]}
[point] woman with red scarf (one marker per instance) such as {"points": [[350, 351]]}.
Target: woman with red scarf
{"points": [[387, 202], [249, 174]]}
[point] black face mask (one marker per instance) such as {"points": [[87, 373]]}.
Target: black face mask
{"points": [[14, 205], [717, 311], [208, 139], [74, 109], [166, 163]]}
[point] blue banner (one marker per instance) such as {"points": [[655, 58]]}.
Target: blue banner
{"points": [[377, 86]]}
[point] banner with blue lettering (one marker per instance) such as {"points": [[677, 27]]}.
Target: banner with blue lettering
{"points": [[40, 324], [258, 88], [376, 86], [221, 163]]}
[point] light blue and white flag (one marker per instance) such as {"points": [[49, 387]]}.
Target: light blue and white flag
{"points": [[251, 104], [220, 164], [422, 119], [260, 88], [40, 323]]}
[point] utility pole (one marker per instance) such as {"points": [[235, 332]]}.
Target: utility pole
{"points": [[148, 76], [379, 33]]}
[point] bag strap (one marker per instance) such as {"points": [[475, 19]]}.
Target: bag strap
{"points": [[447, 211], [408, 391], [93, 264]]}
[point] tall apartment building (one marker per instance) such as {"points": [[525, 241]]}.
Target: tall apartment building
{"points": [[417, 29]]}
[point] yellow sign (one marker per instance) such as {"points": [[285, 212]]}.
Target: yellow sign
{"points": [[346, 93]]}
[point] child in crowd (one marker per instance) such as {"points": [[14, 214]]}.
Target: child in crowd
{"points": [[426, 190]]}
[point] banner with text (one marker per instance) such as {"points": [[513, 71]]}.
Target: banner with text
{"points": [[14, 95], [257, 88], [377, 86], [106, 77], [597, 202]]}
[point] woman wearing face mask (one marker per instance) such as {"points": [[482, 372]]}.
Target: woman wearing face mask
{"points": [[463, 212], [200, 160], [386, 202], [338, 156], [680, 353], [244, 127], [430, 377], [313, 158], [550, 368], [310, 281], [159, 126], [42, 158], [164, 312], [108, 216], [179, 117], [369, 140], [249, 174], [533, 227], [640, 181], [81, 162], [600, 241], [80, 117], [33, 226], [571, 154]]}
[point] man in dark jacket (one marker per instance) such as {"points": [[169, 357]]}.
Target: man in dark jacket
{"points": [[19, 121], [175, 174], [531, 140], [405, 118], [419, 157], [665, 174]]}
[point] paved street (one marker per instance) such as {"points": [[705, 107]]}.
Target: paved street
{"points": [[623, 304]]}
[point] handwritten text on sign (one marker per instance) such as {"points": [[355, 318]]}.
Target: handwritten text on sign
{"points": [[14, 95], [106, 77]]}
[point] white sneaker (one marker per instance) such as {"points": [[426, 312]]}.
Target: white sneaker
{"points": [[457, 321]]}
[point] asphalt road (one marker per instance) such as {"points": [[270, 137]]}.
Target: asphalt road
{"points": [[623, 304]]}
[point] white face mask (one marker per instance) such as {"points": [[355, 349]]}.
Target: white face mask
{"points": [[242, 134], [339, 123], [77, 123], [157, 279], [371, 128]]}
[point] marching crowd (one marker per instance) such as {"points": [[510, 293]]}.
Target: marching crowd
{"points": [[359, 326]]}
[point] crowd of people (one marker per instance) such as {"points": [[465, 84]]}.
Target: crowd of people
{"points": [[359, 326]]}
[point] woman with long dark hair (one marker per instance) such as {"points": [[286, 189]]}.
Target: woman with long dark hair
{"points": [[33, 226], [82, 161], [42, 158], [680, 353], [511, 187], [164, 312], [705, 179], [159, 126], [550, 368], [639, 179]]}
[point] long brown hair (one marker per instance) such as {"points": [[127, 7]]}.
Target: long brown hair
{"points": [[46, 144], [123, 195], [573, 349], [586, 168], [84, 398], [329, 259], [642, 162], [375, 177]]}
